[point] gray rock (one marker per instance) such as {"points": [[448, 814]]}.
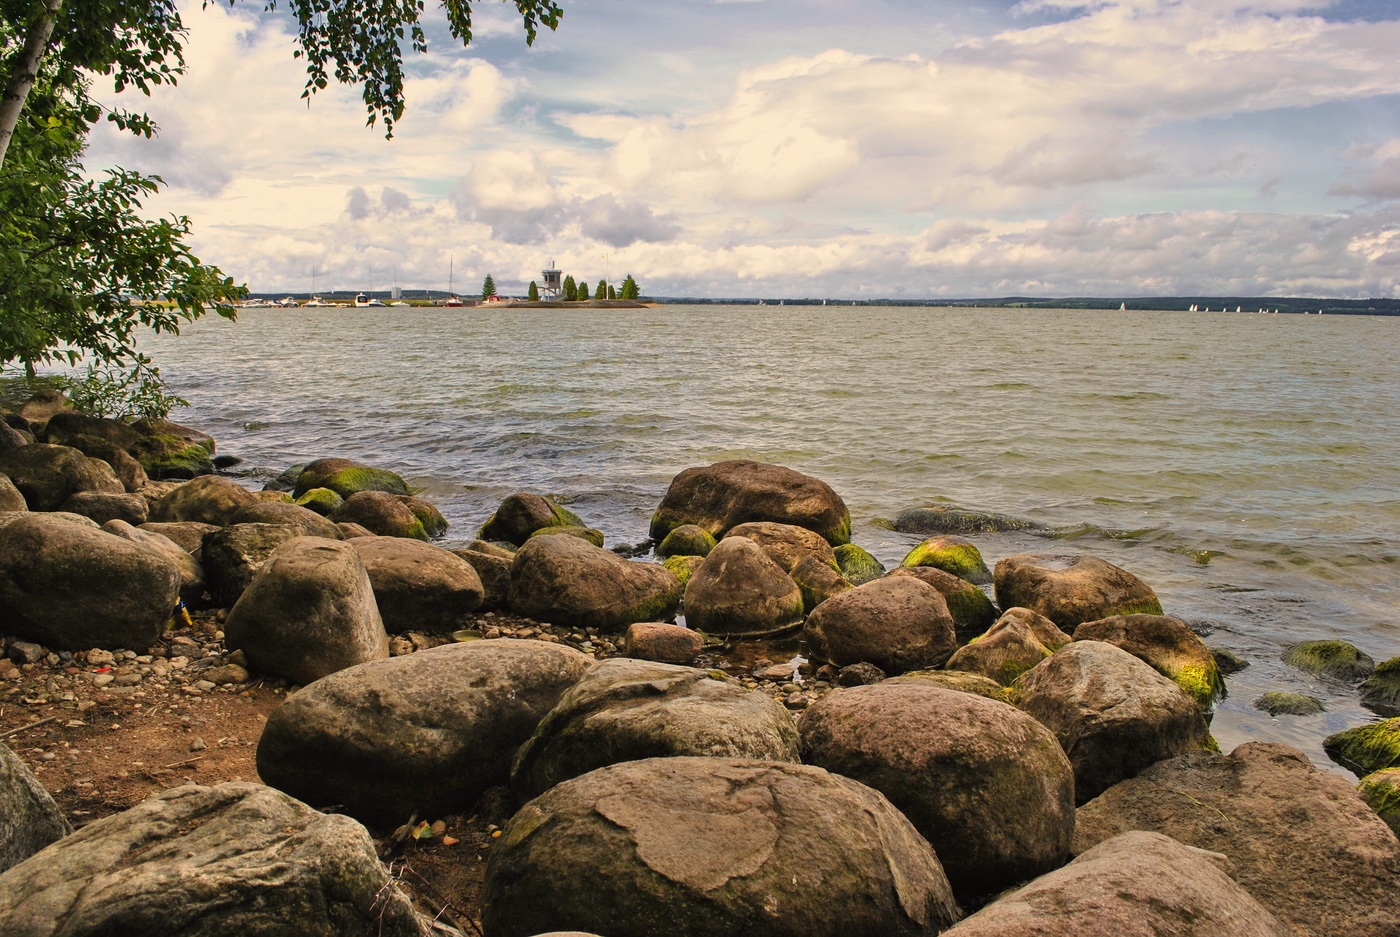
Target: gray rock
{"points": [[208, 499], [29, 819], [232, 556], [949, 520], [786, 544], [192, 583], [306, 521], [626, 710], [1289, 704], [74, 586], [986, 785], [739, 590], [103, 506], [897, 623], [418, 585], [494, 573], [704, 847], [726, 494], [1302, 841], [568, 581], [209, 862], [308, 612], [973, 613], [659, 641], [1113, 714], [1070, 590], [426, 732], [48, 475], [1007, 650], [1135, 885]]}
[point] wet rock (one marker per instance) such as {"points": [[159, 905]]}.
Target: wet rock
{"points": [[1135, 885], [204, 861], [948, 520], [380, 513], [952, 555], [861, 674], [308, 612], [683, 567], [520, 515], [568, 581], [426, 733], [10, 498], [1337, 660], [1289, 704], [973, 613], [895, 623], [347, 478], [169, 450], [103, 506], [1381, 691], [434, 524], [74, 586], [1381, 791], [1366, 748], [304, 521], [857, 565], [1301, 841], [209, 499], [321, 500], [1070, 590], [29, 818], [1008, 649], [231, 557], [192, 584], [686, 540], [626, 710], [1227, 661], [786, 544], [1166, 645], [47, 475], [189, 535], [726, 494], [986, 785], [671, 644], [1113, 714], [418, 585], [739, 590], [817, 582], [711, 846]]}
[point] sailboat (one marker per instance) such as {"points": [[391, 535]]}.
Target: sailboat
{"points": [[452, 298]]}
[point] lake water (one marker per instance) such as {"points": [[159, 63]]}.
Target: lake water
{"points": [[1246, 466]]}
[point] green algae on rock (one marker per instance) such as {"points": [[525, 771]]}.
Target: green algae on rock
{"points": [[1289, 704], [1381, 691], [594, 537], [952, 555], [521, 514], [1367, 748], [686, 540], [857, 565], [1381, 790], [320, 500], [1168, 646], [683, 566], [1335, 659]]}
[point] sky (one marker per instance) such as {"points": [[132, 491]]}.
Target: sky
{"points": [[827, 148]]}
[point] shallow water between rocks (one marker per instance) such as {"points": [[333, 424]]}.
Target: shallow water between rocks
{"points": [[1245, 466]]}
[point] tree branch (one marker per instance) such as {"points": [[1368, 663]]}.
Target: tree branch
{"points": [[36, 42]]}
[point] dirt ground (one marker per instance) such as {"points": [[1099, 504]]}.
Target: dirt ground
{"points": [[104, 731]]}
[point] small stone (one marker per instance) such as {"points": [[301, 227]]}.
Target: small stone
{"points": [[197, 744], [128, 679], [399, 646], [1289, 704], [238, 657], [862, 674], [103, 679], [204, 685], [26, 652], [227, 674]]}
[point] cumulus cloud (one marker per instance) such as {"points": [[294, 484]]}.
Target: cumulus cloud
{"points": [[1379, 177], [619, 224]]}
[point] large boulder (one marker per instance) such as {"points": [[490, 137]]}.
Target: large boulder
{"points": [[1134, 885], [739, 590], [48, 475], [520, 515], [169, 450], [895, 623], [231, 556], [959, 681], [103, 506], [1008, 649], [74, 586], [1070, 590], [209, 499], [713, 847], [288, 515], [493, 569], [425, 732], [726, 494], [626, 710], [986, 785], [1301, 841], [786, 544], [973, 613], [381, 513], [128, 471], [952, 555], [1166, 645], [568, 581], [192, 583], [1113, 714], [308, 612], [10, 497], [418, 585], [209, 862], [29, 819], [1367, 748], [67, 425], [346, 478]]}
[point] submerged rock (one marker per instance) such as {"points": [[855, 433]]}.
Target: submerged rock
{"points": [[723, 495], [713, 847], [947, 520], [1289, 704], [1335, 659], [1381, 691], [1366, 748]]}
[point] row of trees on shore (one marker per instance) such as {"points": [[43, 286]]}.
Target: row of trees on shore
{"points": [[572, 291]]}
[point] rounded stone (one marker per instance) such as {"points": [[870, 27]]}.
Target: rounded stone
{"points": [[287, 515], [418, 585], [896, 623], [568, 581], [726, 494], [952, 555], [1070, 590], [209, 499], [739, 590]]}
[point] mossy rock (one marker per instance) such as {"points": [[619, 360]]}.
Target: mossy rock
{"points": [[434, 524], [521, 514], [1381, 790], [683, 566], [594, 537], [1289, 704], [686, 540], [351, 480], [951, 520], [952, 555], [1381, 691], [1335, 659], [321, 500], [959, 680], [1366, 749], [287, 479], [1227, 661], [168, 456], [857, 565]]}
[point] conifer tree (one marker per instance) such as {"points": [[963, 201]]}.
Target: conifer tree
{"points": [[488, 287], [534, 294], [630, 290], [602, 291], [570, 290]]}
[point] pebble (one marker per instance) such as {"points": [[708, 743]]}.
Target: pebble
{"points": [[103, 679], [204, 685], [128, 679], [197, 744]]}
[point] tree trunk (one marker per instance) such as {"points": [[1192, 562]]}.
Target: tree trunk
{"points": [[26, 72]]}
